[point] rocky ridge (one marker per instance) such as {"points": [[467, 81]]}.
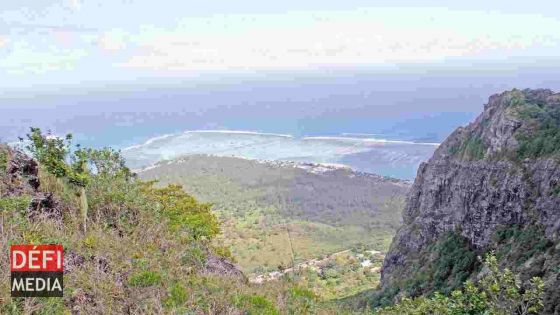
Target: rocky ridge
{"points": [[478, 182]]}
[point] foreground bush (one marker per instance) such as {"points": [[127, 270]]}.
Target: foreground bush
{"points": [[498, 292]]}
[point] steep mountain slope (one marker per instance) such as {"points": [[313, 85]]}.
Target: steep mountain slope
{"points": [[493, 185]]}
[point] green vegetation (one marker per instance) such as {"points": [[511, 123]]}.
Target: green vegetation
{"points": [[3, 158], [144, 279], [541, 137], [527, 259], [518, 244], [147, 244], [302, 301], [441, 267], [256, 305], [178, 295], [52, 153], [455, 261], [471, 149], [538, 136], [145, 250], [14, 204], [145, 236], [444, 266], [263, 207], [498, 292], [555, 191], [77, 166], [343, 274], [182, 211]]}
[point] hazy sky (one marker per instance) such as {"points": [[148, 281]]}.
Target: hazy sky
{"points": [[60, 42]]}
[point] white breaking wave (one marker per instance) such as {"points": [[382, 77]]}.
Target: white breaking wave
{"points": [[377, 155], [241, 132], [218, 131], [372, 140], [148, 142], [352, 134]]}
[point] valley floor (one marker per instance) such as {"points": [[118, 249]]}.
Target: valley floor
{"points": [[274, 215]]}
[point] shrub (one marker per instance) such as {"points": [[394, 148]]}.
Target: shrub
{"points": [[542, 136], [193, 256], [53, 154], [331, 273], [498, 292], [519, 243], [77, 167], [178, 295], [555, 191], [455, 262], [144, 279], [255, 304], [14, 204], [108, 162], [445, 266], [301, 301], [117, 202], [472, 148], [224, 252], [183, 212], [50, 151], [3, 158]]}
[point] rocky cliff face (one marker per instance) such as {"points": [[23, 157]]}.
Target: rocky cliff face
{"points": [[485, 176], [22, 178]]}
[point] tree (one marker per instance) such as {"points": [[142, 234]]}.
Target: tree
{"points": [[77, 166], [54, 154], [504, 291], [108, 162], [184, 213], [50, 151]]}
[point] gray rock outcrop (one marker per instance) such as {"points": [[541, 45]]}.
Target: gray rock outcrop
{"points": [[473, 185]]}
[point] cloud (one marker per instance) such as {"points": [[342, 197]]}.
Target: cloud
{"points": [[114, 40], [55, 38], [75, 4], [4, 41], [358, 37], [35, 28], [64, 38], [25, 58]]}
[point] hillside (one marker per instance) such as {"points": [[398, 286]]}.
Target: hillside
{"points": [[268, 207], [491, 187], [129, 247]]}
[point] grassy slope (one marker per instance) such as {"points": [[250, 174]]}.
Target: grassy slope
{"points": [[131, 259]]}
